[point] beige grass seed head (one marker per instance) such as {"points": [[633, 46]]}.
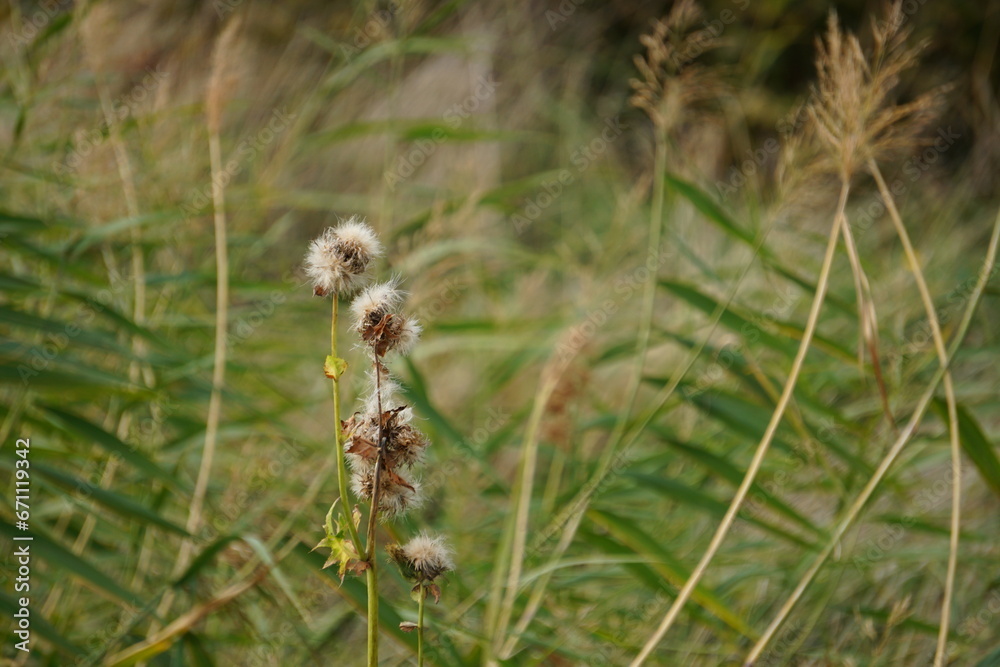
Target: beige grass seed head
{"points": [[853, 114]]}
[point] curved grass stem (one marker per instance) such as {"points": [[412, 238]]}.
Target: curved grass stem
{"points": [[371, 574], [762, 447], [219, 368], [949, 393], [519, 524]]}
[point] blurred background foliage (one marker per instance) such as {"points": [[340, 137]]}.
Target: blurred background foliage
{"points": [[492, 146]]}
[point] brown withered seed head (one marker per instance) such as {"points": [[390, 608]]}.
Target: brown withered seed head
{"points": [[404, 444], [398, 493], [379, 326]]}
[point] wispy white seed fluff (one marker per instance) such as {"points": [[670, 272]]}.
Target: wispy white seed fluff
{"points": [[374, 302], [429, 556], [338, 259], [409, 334]]}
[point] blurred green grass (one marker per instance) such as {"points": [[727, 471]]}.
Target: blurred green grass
{"points": [[520, 231]]}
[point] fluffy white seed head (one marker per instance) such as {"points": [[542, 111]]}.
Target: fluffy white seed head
{"points": [[377, 299], [338, 259], [429, 555]]}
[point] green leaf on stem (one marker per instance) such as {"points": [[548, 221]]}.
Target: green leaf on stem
{"points": [[334, 367], [338, 541]]}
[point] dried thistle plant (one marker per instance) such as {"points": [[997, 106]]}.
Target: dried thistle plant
{"points": [[379, 442]]}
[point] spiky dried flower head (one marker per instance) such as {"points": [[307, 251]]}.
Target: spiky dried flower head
{"points": [[377, 322], [671, 80], [852, 111], [397, 495], [424, 558], [404, 445], [338, 259]]}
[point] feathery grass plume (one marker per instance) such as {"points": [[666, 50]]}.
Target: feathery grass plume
{"points": [[853, 114], [671, 81], [338, 260]]}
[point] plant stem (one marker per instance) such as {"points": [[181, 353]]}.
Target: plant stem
{"points": [[420, 626], [371, 572], [218, 372], [371, 578], [345, 506]]}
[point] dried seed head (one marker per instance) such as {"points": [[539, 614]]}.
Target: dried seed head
{"points": [[424, 558], [380, 327], [404, 444], [398, 493], [671, 81], [853, 113], [376, 301], [338, 259]]}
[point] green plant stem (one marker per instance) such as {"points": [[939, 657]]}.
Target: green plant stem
{"points": [[371, 574], [517, 528], [371, 579], [420, 625], [345, 506]]}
